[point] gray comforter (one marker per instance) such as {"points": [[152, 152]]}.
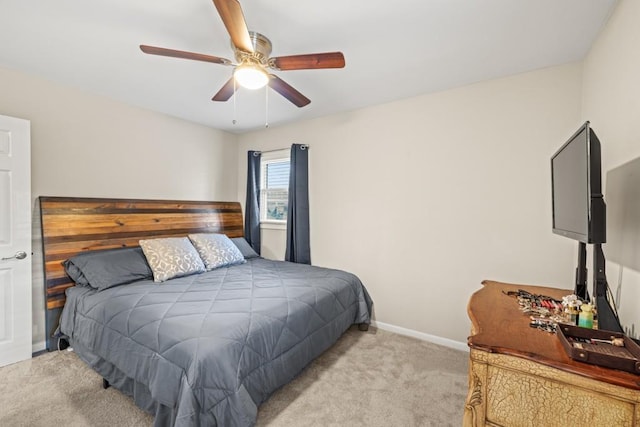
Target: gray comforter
{"points": [[207, 349]]}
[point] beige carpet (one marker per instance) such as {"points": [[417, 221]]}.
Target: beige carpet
{"points": [[373, 378]]}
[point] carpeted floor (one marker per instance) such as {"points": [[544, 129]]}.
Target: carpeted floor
{"points": [[373, 378]]}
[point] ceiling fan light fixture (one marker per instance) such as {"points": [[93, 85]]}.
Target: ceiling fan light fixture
{"points": [[251, 76]]}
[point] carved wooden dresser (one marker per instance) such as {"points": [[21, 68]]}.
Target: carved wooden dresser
{"points": [[521, 376]]}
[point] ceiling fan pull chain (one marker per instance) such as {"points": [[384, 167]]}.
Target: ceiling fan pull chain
{"points": [[266, 107], [234, 101]]}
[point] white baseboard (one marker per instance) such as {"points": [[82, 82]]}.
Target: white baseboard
{"points": [[421, 336], [38, 346]]}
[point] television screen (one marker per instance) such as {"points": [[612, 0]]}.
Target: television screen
{"points": [[579, 212], [578, 205]]}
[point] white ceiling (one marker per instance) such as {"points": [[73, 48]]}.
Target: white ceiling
{"points": [[393, 49]]}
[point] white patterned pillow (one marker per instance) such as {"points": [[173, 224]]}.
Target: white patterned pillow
{"points": [[171, 257], [216, 250]]}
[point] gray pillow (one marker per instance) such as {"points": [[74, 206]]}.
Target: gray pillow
{"points": [[216, 250], [244, 246], [171, 257], [107, 268]]}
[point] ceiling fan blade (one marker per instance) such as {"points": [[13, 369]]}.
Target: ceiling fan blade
{"points": [[233, 19], [225, 91], [182, 54], [308, 62], [286, 90]]}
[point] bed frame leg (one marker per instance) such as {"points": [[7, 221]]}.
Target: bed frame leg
{"points": [[105, 384], [363, 327]]}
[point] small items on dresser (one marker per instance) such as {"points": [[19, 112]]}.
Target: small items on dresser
{"points": [[571, 304], [545, 312], [599, 347], [586, 316], [534, 304], [581, 342]]}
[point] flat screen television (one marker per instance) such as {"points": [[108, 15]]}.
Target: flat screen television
{"points": [[579, 211]]}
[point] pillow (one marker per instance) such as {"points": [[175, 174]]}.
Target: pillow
{"points": [[171, 257], [107, 268], [245, 247], [216, 250]]}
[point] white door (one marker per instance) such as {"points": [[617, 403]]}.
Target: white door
{"points": [[15, 240]]}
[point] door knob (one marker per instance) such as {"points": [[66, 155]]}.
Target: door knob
{"points": [[18, 255]]}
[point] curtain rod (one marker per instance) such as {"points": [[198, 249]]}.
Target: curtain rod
{"points": [[256, 152]]}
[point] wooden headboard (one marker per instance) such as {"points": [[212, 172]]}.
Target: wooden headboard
{"points": [[71, 225]]}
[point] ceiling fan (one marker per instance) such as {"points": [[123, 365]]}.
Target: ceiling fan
{"points": [[252, 52]]}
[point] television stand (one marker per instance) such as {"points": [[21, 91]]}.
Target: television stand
{"points": [[520, 376], [607, 317], [581, 273]]}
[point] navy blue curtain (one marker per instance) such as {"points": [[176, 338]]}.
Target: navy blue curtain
{"points": [[298, 246], [252, 205]]}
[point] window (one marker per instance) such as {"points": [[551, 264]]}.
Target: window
{"points": [[274, 186]]}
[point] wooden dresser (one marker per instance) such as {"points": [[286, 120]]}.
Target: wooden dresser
{"points": [[521, 376]]}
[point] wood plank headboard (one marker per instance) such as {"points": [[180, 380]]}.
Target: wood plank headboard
{"points": [[71, 225]]}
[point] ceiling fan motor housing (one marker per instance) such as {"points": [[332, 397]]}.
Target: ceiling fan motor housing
{"points": [[261, 50]]}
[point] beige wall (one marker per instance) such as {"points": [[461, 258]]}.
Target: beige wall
{"points": [[611, 89], [426, 197], [90, 146]]}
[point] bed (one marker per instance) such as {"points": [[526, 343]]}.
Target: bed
{"points": [[203, 349]]}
